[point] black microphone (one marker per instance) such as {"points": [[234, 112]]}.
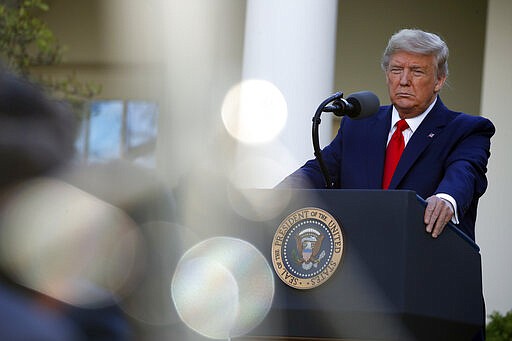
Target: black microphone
{"points": [[357, 105]]}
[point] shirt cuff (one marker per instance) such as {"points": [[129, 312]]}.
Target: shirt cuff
{"points": [[449, 198]]}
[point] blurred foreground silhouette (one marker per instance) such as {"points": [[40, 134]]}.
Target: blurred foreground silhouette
{"points": [[37, 137]]}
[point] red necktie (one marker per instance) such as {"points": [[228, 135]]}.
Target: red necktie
{"points": [[395, 148]]}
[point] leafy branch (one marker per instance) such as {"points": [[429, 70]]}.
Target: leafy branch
{"points": [[27, 42]]}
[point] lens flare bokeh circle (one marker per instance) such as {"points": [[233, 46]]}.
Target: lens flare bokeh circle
{"points": [[66, 243], [254, 111], [223, 287]]}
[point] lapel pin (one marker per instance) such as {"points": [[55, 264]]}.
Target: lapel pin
{"points": [[431, 135]]}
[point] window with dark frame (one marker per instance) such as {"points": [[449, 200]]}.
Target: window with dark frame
{"points": [[118, 129]]}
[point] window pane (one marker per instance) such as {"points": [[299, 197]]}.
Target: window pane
{"points": [[105, 130], [141, 131], [141, 123]]}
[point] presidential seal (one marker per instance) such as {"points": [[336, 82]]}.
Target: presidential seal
{"points": [[307, 248]]}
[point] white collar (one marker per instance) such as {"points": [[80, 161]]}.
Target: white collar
{"points": [[414, 122]]}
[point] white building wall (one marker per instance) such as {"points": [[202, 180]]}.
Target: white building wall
{"points": [[494, 227]]}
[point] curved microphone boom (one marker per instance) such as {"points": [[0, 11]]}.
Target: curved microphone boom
{"points": [[357, 106]]}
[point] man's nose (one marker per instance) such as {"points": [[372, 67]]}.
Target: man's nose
{"points": [[405, 77]]}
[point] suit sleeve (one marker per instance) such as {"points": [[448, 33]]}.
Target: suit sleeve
{"points": [[465, 168]]}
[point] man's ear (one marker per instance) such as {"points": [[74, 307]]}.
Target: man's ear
{"points": [[439, 83]]}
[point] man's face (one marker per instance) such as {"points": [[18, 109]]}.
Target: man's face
{"points": [[412, 82]]}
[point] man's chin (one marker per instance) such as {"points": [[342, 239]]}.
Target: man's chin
{"points": [[403, 103], [406, 108]]}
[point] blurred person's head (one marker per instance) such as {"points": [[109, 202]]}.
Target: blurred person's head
{"points": [[37, 133]]}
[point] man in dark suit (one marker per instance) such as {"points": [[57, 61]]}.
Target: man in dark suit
{"points": [[444, 153]]}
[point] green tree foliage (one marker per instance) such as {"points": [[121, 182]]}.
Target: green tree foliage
{"points": [[27, 42], [499, 327]]}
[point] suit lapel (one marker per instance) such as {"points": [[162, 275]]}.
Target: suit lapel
{"points": [[420, 140], [377, 134]]}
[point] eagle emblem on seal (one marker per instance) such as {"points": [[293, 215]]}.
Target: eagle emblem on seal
{"points": [[309, 244]]}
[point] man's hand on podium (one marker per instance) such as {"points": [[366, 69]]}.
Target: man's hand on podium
{"points": [[437, 214]]}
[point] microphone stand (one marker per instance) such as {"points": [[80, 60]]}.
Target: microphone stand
{"points": [[316, 143]]}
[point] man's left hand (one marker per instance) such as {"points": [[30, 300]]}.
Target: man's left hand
{"points": [[437, 214]]}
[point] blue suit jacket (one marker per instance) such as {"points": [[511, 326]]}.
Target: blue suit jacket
{"points": [[448, 153]]}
